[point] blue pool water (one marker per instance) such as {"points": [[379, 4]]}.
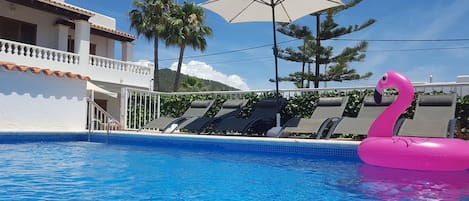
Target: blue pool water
{"points": [[165, 170]]}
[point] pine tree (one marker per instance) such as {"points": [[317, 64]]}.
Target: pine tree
{"points": [[313, 52]]}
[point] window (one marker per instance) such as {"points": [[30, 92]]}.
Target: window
{"points": [[18, 31], [70, 44], [92, 49]]}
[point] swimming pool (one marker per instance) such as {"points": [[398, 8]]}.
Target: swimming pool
{"points": [[175, 167]]}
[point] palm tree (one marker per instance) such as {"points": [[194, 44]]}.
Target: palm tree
{"points": [[149, 18], [186, 28]]}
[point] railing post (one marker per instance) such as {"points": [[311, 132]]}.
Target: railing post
{"points": [[124, 107], [158, 106], [90, 120], [108, 129]]}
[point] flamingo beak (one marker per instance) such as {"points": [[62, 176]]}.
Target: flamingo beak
{"points": [[378, 96]]}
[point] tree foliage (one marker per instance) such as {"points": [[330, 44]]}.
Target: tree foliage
{"points": [[192, 84], [311, 51], [186, 28], [149, 18]]}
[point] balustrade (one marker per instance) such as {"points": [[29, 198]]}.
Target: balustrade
{"points": [[124, 66], [36, 52]]}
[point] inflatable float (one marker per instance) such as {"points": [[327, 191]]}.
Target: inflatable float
{"points": [[383, 149]]}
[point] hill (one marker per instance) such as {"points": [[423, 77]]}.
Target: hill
{"points": [[167, 80]]}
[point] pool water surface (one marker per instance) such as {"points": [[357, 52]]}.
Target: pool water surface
{"points": [[97, 171]]}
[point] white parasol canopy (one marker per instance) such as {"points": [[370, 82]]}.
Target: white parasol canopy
{"points": [[235, 11]]}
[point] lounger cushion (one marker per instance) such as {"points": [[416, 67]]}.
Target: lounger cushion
{"points": [[337, 101], [234, 104], [370, 101], [201, 104], [436, 100]]}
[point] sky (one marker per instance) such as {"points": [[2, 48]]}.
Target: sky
{"points": [[416, 38]]}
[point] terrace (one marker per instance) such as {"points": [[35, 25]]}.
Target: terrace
{"points": [[141, 106], [99, 68]]}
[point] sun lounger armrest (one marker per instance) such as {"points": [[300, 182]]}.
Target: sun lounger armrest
{"points": [[452, 127], [398, 125], [330, 123]]}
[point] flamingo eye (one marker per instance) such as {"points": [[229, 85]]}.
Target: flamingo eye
{"points": [[384, 78]]}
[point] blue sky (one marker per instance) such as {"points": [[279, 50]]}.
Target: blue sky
{"points": [[396, 20]]}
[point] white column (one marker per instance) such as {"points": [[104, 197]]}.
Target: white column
{"points": [[127, 51], [82, 42], [62, 37]]}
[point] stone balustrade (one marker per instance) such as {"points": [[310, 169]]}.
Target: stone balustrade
{"points": [[37, 52], [116, 65], [98, 68]]}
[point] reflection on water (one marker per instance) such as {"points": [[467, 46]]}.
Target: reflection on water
{"points": [[398, 184]]}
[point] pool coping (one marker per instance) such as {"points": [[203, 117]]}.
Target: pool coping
{"points": [[299, 147], [184, 135], [238, 138]]}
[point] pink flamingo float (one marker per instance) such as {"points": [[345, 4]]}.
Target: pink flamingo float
{"points": [[383, 149]]}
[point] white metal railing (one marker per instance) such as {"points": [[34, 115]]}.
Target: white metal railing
{"points": [[116, 65], [144, 106], [99, 119], [36, 52]]}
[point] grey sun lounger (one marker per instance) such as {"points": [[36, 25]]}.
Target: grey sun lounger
{"points": [[433, 117], [369, 111], [327, 112], [262, 118], [197, 109], [230, 108]]}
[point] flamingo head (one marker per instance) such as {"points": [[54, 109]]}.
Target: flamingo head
{"points": [[395, 80]]}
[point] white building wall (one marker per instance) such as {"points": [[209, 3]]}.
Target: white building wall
{"points": [[103, 20], [33, 102], [46, 30]]}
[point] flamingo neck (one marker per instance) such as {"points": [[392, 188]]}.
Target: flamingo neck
{"points": [[383, 126]]}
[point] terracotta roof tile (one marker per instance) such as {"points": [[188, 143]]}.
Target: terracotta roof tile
{"points": [[113, 31], [68, 7], [12, 66]]}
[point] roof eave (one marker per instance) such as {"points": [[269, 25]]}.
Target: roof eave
{"points": [[57, 8]]}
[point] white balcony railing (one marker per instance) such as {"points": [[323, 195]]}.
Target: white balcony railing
{"points": [[38, 53], [116, 65], [98, 68]]}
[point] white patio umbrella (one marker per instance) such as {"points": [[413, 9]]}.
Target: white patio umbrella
{"points": [[234, 11]]}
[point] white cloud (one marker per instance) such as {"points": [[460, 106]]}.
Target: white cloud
{"points": [[205, 71]]}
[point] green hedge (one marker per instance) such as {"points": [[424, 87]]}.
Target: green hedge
{"points": [[299, 105]]}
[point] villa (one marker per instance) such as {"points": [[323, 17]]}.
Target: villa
{"points": [[54, 35], [65, 69], [43, 41]]}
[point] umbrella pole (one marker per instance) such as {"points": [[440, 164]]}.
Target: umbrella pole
{"points": [[275, 49], [318, 45]]}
